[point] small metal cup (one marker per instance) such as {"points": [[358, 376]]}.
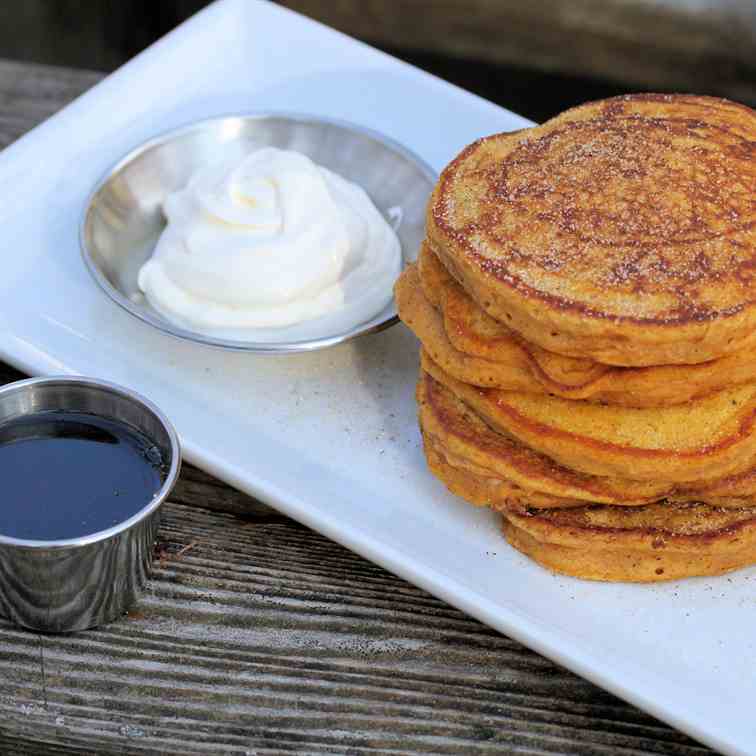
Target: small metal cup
{"points": [[74, 584], [123, 218]]}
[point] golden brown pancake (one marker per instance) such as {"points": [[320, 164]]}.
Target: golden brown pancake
{"points": [[475, 349], [470, 330], [427, 324], [466, 442], [480, 490], [701, 440], [530, 479], [641, 544], [731, 491], [620, 231]]}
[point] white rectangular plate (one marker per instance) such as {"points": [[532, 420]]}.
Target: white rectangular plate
{"points": [[331, 438]]}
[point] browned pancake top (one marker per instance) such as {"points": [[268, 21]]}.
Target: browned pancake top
{"points": [[638, 208]]}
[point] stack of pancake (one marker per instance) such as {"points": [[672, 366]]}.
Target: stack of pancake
{"points": [[586, 302]]}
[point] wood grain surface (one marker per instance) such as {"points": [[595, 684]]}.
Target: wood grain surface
{"points": [[256, 635], [703, 46]]}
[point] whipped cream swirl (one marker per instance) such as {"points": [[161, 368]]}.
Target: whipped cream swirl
{"points": [[270, 243]]}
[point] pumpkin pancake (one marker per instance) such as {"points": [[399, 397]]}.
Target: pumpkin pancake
{"points": [[701, 440], [427, 324], [731, 491], [663, 541], [471, 331], [480, 490], [466, 442], [622, 231], [475, 349], [482, 487]]}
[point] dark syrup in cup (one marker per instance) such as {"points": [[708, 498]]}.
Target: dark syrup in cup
{"points": [[66, 475]]}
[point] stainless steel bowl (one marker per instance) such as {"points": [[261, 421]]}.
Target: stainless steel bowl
{"points": [[73, 584], [123, 217]]}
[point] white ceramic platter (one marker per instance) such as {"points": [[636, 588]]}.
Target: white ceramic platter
{"points": [[330, 437]]}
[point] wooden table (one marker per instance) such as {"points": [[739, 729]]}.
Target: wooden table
{"points": [[707, 47], [256, 635]]}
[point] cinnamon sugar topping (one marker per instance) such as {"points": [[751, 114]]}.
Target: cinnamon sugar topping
{"points": [[652, 215]]}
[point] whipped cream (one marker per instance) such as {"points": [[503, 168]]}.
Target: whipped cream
{"points": [[274, 242]]}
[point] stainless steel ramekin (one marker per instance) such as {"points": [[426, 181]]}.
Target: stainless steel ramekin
{"points": [[123, 218], [74, 584]]}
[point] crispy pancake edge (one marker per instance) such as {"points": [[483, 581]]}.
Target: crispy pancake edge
{"points": [[730, 456], [630, 565], [520, 369], [532, 474], [507, 458]]}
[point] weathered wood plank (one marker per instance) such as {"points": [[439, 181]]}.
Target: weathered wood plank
{"points": [[31, 93], [705, 47], [262, 634], [197, 488], [256, 635]]}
